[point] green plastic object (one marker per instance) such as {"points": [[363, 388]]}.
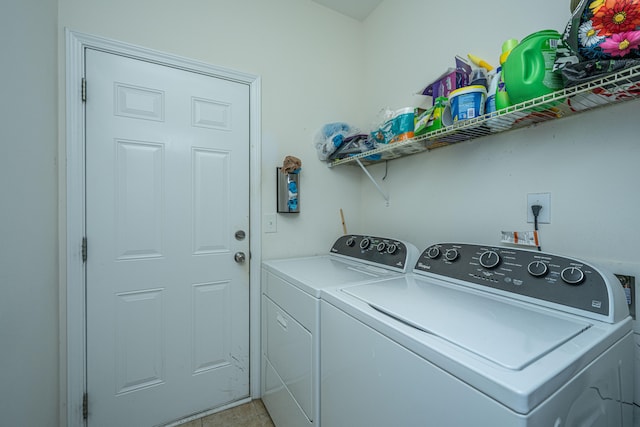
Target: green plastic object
{"points": [[528, 71]]}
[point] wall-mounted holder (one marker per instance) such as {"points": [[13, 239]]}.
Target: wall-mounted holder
{"points": [[288, 192]]}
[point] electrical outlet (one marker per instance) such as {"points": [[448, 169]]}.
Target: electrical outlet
{"points": [[270, 223], [544, 200]]}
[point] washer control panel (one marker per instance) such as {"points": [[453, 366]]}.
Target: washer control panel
{"points": [[385, 252], [539, 275]]}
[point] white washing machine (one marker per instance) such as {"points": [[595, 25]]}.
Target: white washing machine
{"points": [[290, 317], [479, 336]]}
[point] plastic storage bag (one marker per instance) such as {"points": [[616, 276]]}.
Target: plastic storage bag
{"points": [[331, 137]]}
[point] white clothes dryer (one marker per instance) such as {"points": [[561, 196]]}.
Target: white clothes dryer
{"points": [[482, 336], [290, 317]]}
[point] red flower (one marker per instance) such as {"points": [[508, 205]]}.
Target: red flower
{"points": [[617, 16]]}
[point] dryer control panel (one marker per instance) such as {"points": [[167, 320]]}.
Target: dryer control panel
{"points": [[385, 252], [531, 274]]}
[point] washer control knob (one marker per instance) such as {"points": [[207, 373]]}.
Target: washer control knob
{"points": [[382, 246], [351, 242], [572, 275], [433, 252], [489, 259], [537, 269], [364, 243], [451, 254], [392, 248]]}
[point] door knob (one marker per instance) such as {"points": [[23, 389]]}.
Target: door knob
{"points": [[239, 257]]}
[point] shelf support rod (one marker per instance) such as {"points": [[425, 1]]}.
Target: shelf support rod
{"points": [[384, 195]]}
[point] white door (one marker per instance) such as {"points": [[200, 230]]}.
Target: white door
{"points": [[167, 188]]}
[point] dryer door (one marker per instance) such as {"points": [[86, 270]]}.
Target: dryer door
{"points": [[288, 348]]}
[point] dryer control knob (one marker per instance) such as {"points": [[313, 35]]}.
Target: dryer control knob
{"points": [[572, 275], [392, 248], [433, 252], [451, 254], [489, 259], [382, 246], [364, 243], [537, 268]]}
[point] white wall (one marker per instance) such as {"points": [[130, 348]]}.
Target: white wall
{"points": [[28, 215], [309, 60], [472, 191]]}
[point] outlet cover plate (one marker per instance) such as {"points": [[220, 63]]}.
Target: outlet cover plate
{"points": [[544, 200]]}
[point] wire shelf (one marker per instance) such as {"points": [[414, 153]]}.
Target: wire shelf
{"points": [[615, 88]]}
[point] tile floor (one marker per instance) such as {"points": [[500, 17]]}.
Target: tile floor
{"points": [[252, 414]]}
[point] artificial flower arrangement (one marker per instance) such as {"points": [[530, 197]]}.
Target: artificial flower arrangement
{"points": [[602, 36], [609, 28]]}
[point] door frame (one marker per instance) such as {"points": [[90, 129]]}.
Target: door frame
{"points": [[72, 300]]}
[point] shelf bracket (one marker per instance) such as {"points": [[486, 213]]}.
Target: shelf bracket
{"points": [[384, 195]]}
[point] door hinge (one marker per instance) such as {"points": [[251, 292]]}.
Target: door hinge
{"points": [[85, 406], [84, 90], [84, 249]]}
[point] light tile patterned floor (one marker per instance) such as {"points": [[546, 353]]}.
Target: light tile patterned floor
{"points": [[252, 414]]}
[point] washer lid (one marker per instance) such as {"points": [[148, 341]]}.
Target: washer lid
{"points": [[509, 333]]}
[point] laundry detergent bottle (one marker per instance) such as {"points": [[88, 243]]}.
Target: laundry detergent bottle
{"points": [[528, 71]]}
